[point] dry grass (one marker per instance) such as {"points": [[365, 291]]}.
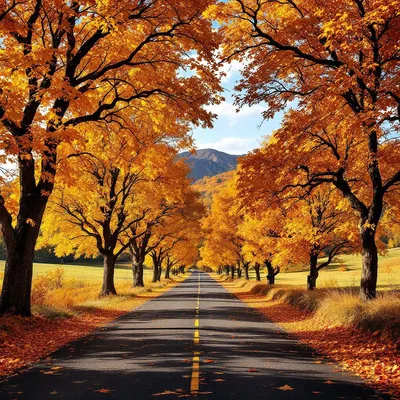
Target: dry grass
{"points": [[72, 295], [331, 307], [65, 291], [344, 309]]}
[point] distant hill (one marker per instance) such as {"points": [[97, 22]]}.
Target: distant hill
{"points": [[210, 186], [209, 162]]}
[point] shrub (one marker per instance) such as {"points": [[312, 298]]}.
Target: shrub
{"points": [[330, 283], [56, 278], [344, 309], [40, 290]]}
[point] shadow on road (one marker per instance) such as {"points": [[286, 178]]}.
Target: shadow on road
{"points": [[147, 354]]}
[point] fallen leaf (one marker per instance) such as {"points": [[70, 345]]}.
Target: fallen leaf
{"points": [[103, 390], [285, 388]]}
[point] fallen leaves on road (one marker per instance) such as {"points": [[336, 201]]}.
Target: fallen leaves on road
{"points": [[285, 388], [17, 335], [103, 390]]}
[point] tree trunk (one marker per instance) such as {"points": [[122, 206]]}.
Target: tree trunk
{"points": [[239, 270], [312, 278], [246, 272], [227, 270], [17, 284], [108, 287], [271, 279], [233, 272], [155, 272], [369, 272], [167, 270], [137, 271], [159, 273], [272, 272], [257, 269]]}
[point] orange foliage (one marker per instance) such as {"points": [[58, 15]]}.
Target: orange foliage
{"points": [[339, 63]]}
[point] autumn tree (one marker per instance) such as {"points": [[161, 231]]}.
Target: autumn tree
{"points": [[339, 63], [96, 199], [64, 64], [223, 244], [184, 254], [261, 233], [175, 210], [320, 226], [179, 233]]}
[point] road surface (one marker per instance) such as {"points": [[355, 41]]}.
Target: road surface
{"points": [[196, 341]]}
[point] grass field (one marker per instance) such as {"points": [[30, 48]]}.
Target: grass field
{"points": [[82, 272], [346, 272]]}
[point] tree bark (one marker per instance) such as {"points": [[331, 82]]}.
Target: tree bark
{"points": [[108, 287], [159, 273], [233, 272], [167, 271], [272, 272], [155, 272], [257, 269], [313, 276], [246, 271], [137, 271], [239, 272], [369, 272], [17, 284]]}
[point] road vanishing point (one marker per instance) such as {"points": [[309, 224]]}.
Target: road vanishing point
{"points": [[196, 341]]}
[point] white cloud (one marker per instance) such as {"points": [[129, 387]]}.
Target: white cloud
{"points": [[228, 110], [231, 145], [231, 69]]}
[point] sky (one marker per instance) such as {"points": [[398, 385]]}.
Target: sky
{"points": [[235, 132]]}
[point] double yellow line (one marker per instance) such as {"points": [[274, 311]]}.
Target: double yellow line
{"points": [[195, 381]]}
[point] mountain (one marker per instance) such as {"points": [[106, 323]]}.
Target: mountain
{"points": [[209, 162]]}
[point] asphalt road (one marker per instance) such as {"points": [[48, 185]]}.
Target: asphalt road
{"points": [[196, 341]]}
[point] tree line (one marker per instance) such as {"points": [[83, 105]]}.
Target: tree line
{"points": [[333, 70], [96, 99]]}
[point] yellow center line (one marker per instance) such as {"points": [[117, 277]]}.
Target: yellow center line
{"points": [[195, 380]]}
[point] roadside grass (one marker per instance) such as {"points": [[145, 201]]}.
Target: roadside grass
{"points": [[328, 307]]}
